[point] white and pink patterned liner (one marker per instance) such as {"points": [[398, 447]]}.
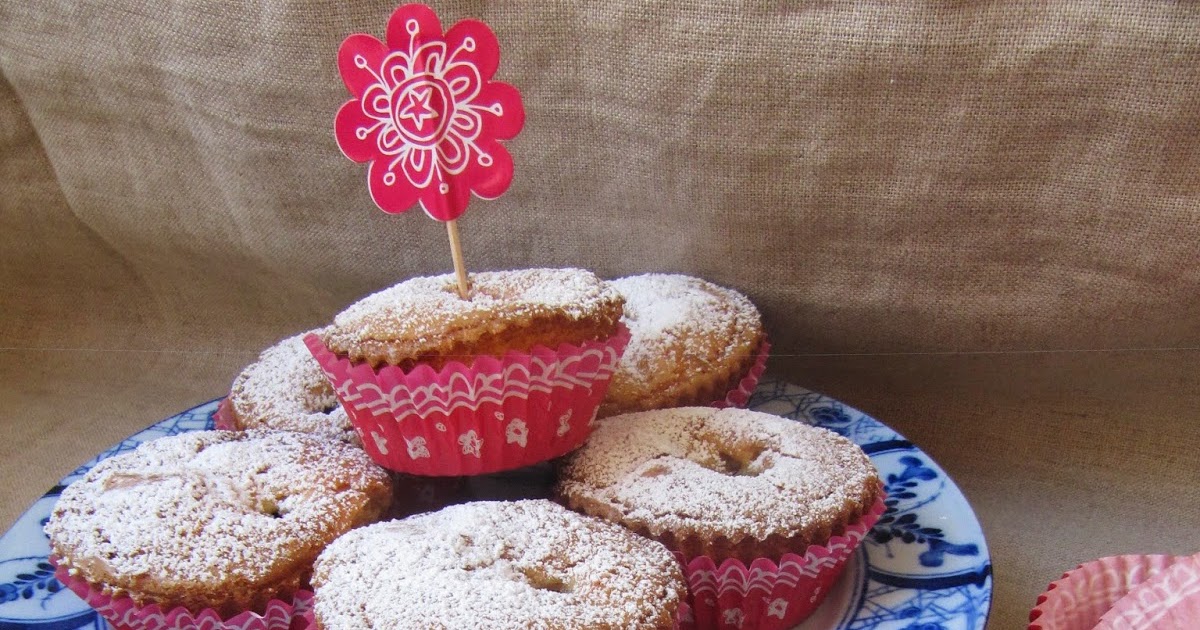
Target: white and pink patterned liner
{"points": [[1078, 599], [1130, 592], [740, 395], [1170, 599], [124, 614], [769, 595], [499, 413]]}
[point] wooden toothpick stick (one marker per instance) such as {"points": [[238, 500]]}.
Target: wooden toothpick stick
{"points": [[460, 268]]}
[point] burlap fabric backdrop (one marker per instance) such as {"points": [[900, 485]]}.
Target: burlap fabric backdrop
{"points": [[880, 177]]}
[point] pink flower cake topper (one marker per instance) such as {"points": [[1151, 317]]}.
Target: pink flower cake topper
{"points": [[427, 115]]}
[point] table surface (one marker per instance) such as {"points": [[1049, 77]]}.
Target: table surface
{"points": [[1065, 456]]}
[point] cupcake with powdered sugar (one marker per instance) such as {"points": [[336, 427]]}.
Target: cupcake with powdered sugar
{"points": [[733, 493], [691, 342], [215, 527], [285, 390], [486, 565], [507, 377]]}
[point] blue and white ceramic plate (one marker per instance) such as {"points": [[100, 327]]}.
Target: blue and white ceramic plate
{"points": [[925, 565]]}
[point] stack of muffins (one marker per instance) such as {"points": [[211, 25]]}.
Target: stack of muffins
{"points": [[672, 500]]}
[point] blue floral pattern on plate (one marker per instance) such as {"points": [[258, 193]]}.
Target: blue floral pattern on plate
{"points": [[925, 565]]}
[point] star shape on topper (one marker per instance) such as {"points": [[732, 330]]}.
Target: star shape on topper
{"points": [[418, 107], [426, 114]]}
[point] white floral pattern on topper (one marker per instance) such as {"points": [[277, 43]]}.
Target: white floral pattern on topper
{"points": [[407, 97], [564, 424], [426, 113]]}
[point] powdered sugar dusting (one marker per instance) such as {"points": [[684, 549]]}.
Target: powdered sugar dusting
{"points": [[213, 507], [673, 315], [690, 341], [729, 472], [425, 309], [286, 390], [524, 564]]}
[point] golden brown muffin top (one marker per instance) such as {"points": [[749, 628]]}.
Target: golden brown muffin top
{"points": [[731, 475], [523, 564], [214, 519], [425, 320], [689, 339], [286, 390]]}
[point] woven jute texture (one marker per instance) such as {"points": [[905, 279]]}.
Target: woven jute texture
{"points": [[878, 176], [894, 179]]}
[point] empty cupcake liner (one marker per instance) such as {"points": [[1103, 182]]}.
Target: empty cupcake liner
{"points": [[498, 413], [740, 395], [770, 595], [124, 614], [1169, 599], [1078, 599]]}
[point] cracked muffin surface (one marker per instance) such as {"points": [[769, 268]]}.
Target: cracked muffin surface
{"points": [[214, 519], [725, 483], [521, 564]]}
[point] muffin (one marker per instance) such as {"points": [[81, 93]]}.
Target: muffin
{"points": [[691, 343], [732, 486], [523, 564], [285, 390], [439, 385], [219, 523]]}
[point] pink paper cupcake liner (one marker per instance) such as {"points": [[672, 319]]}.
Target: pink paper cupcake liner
{"points": [[1078, 599], [1170, 599], [223, 418], [498, 413], [767, 595], [740, 395], [684, 617], [124, 614]]}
